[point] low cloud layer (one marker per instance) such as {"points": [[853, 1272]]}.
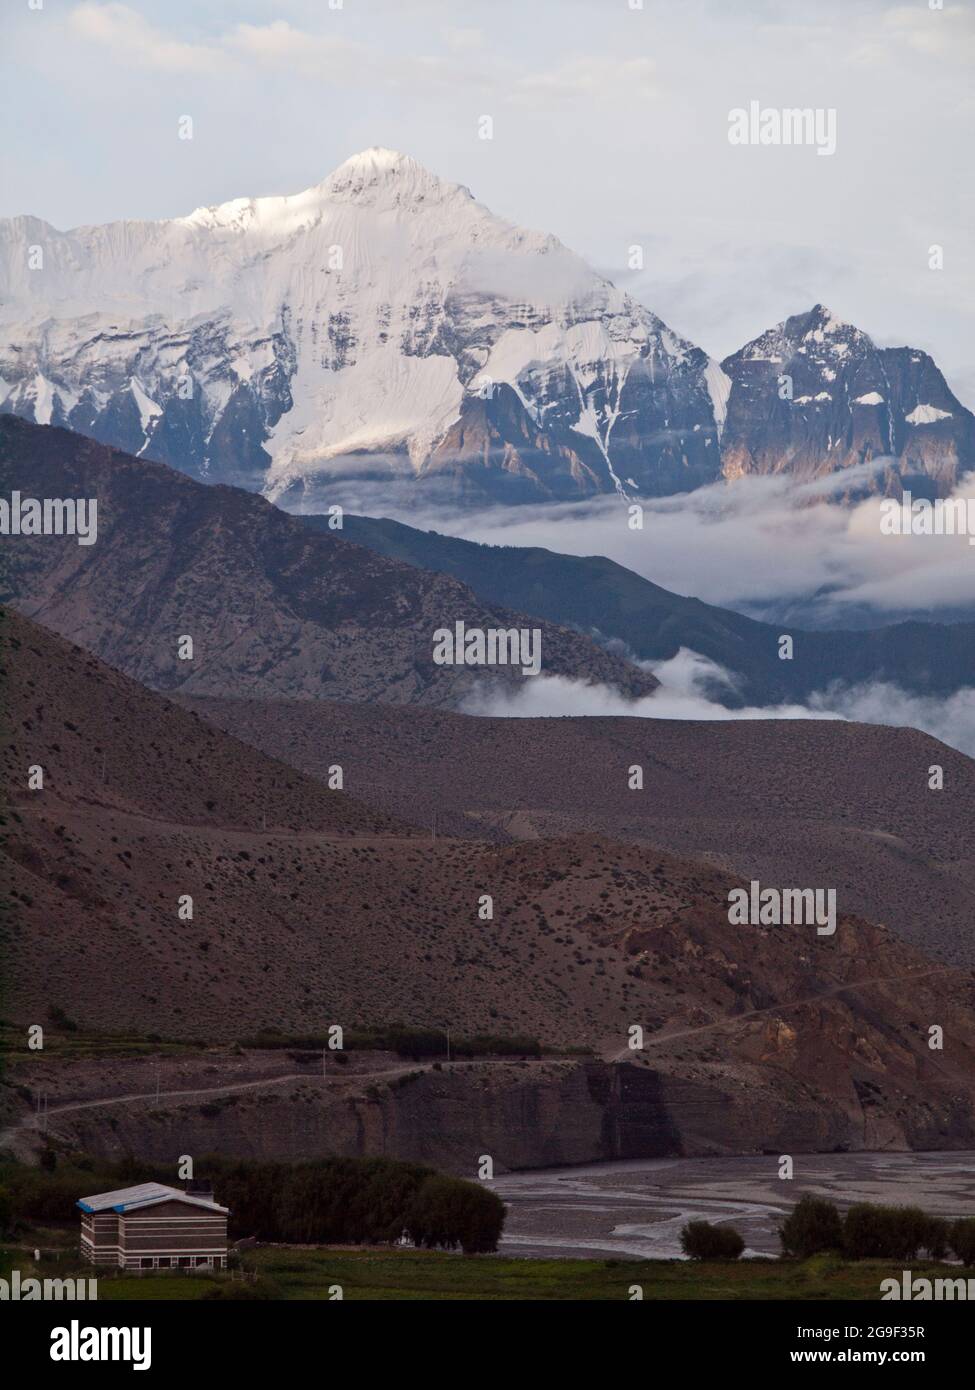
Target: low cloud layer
{"points": [[687, 678], [764, 546], [761, 544]]}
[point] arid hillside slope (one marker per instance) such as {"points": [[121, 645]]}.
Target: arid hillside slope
{"points": [[273, 609], [346, 917], [794, 803]]}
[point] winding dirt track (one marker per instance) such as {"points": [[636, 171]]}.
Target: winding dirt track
{"points": [[34, 1121], [727, 1023]]}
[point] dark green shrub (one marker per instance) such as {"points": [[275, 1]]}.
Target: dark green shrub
{"points": [[813, 1225], [937, 1237], [863, 1232], [963, 1240], [700, 1240], [39, 1195], [884, 1233], [447, 1212]]}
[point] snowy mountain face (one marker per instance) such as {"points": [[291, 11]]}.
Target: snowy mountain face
{"points": [[814, 396], [386, 325], [382, 323]]}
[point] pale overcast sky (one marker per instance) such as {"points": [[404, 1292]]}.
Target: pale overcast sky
{"points": [[610, 129]]}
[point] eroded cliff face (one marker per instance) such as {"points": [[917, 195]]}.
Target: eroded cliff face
{"points": [[521, 1114]]}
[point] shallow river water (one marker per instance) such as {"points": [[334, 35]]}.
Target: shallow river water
{"points": [[638, 1208]]}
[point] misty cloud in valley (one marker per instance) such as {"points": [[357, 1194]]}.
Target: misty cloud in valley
{"points": [[687, 678], [764, 546]]}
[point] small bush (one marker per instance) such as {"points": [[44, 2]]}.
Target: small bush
{"points": [[963, 1240], [61, 1020], [700, 1240], [891, 1233], [447, 1212], [813, 1225]]}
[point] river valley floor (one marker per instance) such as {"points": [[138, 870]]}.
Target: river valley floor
{"points": [[636, 1209]]}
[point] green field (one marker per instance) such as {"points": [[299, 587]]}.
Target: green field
{"points": [[382, 1273]]}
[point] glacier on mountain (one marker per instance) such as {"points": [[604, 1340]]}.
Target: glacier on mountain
{"points": [[282, 341]]}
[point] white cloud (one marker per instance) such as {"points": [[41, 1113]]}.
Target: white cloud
{"points": [[280, 45], [592, 78], [132, 39], [276, 46], [950, 719], [463, 40], [947, 35], [755, 543], [687, 679], [765, 546], [610, 129]]}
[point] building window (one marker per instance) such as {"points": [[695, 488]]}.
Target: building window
{"points": [[146, 1262]]}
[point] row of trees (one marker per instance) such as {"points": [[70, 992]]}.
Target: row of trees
{"points": [[867, 1231], [358, 1201], [329, 1201], [406, 1041]]}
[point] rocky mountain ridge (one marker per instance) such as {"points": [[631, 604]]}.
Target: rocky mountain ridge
{"points": [[814, 397], [384, 326]]}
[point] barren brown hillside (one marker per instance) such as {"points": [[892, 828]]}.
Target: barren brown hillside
{"points": [[273, 609], [108, 745], [295, 928], [791, 802]]}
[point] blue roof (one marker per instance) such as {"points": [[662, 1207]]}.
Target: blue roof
{"points": [[146, 1194]]}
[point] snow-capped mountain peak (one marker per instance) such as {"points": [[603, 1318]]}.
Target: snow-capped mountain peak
{"points": [[384, 323], [381, 320], [376, 176], [381, 175], [378, 161]]}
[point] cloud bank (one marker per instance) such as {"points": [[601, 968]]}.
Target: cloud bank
{"points": [[764, 546], [687, 683]]}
